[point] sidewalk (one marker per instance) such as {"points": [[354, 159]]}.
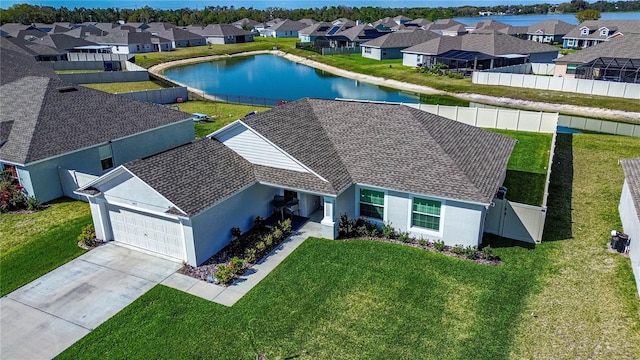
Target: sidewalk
{"points": [[234, 292]]}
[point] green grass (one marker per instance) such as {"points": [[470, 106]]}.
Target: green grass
{"points": [[259, 43], [34, 244], [221, 114], [527, 168], [120, 87], [336, 300]]}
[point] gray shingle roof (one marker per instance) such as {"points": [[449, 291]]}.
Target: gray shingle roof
{"points": [[27, 47], [631, 168], [384, 145], [16, 63], [623, 26], [287, 25], [196, 175], [48, 122], [623, 47], [401, 39], [486, 42], [219, 30], [551, 27], [177, 34]]}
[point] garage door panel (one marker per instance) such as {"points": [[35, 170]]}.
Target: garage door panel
{"points": [[146, 231]]}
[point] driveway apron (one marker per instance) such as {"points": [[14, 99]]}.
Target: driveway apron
{"points": [[46, 316]]}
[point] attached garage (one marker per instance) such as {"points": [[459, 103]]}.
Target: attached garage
{"points": [[148, 232]]}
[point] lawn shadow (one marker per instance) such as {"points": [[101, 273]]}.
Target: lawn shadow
{"points": [[558, 222], [496, 241]]}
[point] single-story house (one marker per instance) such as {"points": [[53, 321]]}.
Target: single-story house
{"points": [[391, 164], [52, 131], [314, 31], [417, 23], [593, 32], [478, 50], [284, 29], [616, 60], [179, 38], [222, 34], [124, 42], [629, 209], [390, 46], [549, 31], [245, 23], [39, 52], [354, 36]]}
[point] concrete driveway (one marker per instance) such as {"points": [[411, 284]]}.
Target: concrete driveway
{"points": [[46, 316]]}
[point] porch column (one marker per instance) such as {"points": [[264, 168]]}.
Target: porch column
{"points": [[329, 222]]}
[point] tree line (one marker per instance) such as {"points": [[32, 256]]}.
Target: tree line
{"points": [[27, 14]]}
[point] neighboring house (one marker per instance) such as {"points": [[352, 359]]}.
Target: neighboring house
{"points": [[354, 36], [441, 25], [629, 209], [65, 42], [417, 23], [84, 31], [386, 24], [390, 46], [12, 29], [455, 30], [616, 60], [39, 52], [246, 24], [179, 38], [312, 32], [516, 31], [391, 164], [222, 34], [549, 31], [49, 128], [124, 42], [478, 50], [284, 29], [593, 32]]}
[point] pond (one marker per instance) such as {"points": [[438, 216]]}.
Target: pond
{"points": [[273, 77]]}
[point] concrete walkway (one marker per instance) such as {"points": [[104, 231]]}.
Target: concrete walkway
{"points": [[46, 316], [234, 292]]}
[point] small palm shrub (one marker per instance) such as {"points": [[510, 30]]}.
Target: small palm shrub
{"points": [[88, 236]]}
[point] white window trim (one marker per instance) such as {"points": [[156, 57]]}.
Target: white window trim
{"points": [[423, 231], [385, 211]]}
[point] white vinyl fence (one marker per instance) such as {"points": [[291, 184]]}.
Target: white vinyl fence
{"points": [[528, 68], [601, 126], [105, 77], [98, 57], [73, 180], [582, 86]]}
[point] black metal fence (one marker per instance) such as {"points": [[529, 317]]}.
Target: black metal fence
{"points": [[245, 100]]}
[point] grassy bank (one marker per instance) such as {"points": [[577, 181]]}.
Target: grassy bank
{"points": [[221, 114], [33, 244]]}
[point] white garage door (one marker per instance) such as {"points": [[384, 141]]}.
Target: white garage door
{"points": [[149, 232]]}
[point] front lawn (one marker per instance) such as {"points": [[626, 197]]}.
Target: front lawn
{"points": [[336, 300], [569, 298], [527, 168], [33, 244]]}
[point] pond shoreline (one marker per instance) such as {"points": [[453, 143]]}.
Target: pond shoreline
{"points": [[602, 113]]}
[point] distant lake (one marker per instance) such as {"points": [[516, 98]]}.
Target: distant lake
{"points": [[273, 77], [526, 20]]}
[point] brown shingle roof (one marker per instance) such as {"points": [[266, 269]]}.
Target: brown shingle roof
{"points": [[401, 39]]}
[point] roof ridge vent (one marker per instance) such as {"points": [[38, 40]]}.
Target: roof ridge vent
{"points": [[66, 89]]}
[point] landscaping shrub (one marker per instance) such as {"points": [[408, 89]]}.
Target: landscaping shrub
{"points": [[405, 237], [236, 264], [457, 249], [261, 247], [487, 252], [470, 252], [250, 255], [423, 242], [362, 231], [224, 274], [268, 240], [32, 203], [346, 226], [277, 234], [11, 196], [439, 245], [388, 231], [88, 236], [259, 223], [285, 227]]}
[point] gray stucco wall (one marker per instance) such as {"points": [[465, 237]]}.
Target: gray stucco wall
{"points": [[212, 227], [45, 181], [461, 223], [631, 227]]}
